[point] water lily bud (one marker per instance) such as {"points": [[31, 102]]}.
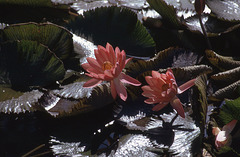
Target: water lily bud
{"points": [[199, 6]]}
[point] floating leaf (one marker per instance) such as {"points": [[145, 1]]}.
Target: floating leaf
{"points": [[87, 99], [230, 111], [166, 11], [30, 64], [27, 101], [171, 57], [230, 91], [56, 38], [225, 9], [221, 62], [118, 26], [228, 76]]}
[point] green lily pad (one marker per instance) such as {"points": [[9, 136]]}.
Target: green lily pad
{"points": [[118, 26], [56, 38], [29, 63]]}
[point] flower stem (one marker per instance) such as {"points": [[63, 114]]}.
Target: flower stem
{"points": [[204, 32]]}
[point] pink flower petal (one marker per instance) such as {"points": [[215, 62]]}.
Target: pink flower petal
{"points": [[147, 88], [102, 52], [94, 64], [155, 74], [108, 74], [117, 70], [89, 68], [129, 80], [159, 106], [151, 101], [128, 60], [121, 91], [215, 131], [177, 105], [111, 53], [113, 90], [92, 83], [230, 126], [186, 86], [99, 58], [123, 60]]}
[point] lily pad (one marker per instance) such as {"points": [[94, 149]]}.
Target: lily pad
{"points": [[34, 64], [222, 62], [225, 9], [56, 38], [118, 26]]}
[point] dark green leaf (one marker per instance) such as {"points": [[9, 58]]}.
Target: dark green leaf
{"points": [[56, 38], [29, 63], [118, 26], [230, 111], [166, 11]]}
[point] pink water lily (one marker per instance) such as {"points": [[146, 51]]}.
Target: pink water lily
{"points": [[223, 137], [108, 66], [162, 89]]}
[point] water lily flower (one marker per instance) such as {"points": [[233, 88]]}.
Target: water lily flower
{"points": [[162, 89], [223, 137], [108, 66]]}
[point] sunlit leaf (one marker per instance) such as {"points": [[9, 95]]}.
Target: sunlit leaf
{"points": [[118, 26], [56, 38], [225, 9], [34, 64], [221, 62], [61, 103], [27, 101]]}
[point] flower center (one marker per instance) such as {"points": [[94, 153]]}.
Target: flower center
{"points": [[107, 65]]}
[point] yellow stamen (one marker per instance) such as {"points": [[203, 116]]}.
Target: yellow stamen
{"points": [[107, 65]]}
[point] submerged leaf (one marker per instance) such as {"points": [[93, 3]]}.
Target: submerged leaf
{"points": [[56, 38], [34, 64], [118, 26], [221, 62]]}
